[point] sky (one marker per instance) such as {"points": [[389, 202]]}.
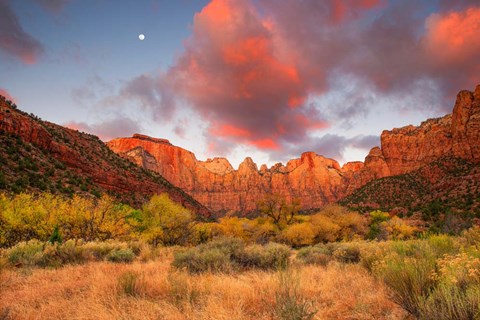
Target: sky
{"points": [[266, 79]]}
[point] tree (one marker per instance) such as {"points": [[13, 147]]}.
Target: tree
{"points": [[278, 209], [162, 221]]}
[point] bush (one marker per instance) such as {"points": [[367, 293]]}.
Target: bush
{"points": [[319, 255], [120, 256], [46, 254], [230, 254], [345, 252], [196, 261], [410, 280], [298, 235], [269, 256], [289, 302], [26, 254]]}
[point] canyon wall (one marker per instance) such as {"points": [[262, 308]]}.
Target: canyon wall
{"points": [[312, 178]]}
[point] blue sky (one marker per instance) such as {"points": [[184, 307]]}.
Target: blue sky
{"points": [[258, 78]]}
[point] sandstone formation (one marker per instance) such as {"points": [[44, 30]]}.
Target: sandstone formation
{"points": [[312, 178]]}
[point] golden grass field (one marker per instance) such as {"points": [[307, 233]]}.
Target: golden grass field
{"points": [[154, 290]]}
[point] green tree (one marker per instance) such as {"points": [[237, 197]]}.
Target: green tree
{"points": [[162, 221], [376, 231]]}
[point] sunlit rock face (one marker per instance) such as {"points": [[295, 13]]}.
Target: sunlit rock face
{"points": [[312, 178]]}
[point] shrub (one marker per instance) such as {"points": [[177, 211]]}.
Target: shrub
{"points": [[319, 255], [345, 252], [269, 256], [196, 261], [230, 254], [410, 280], [120, 255], [289, 302], [99, 250], [27, 254]]}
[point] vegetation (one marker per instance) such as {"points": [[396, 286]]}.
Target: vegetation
{"points": [[152, 289], [445, 194], [230, 254], [433, 278], [428, 275]]}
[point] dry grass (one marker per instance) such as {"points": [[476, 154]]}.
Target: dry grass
{"points": [[153, 290]]}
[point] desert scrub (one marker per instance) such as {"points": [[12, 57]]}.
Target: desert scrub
{"points": [[269, 256], [290, 304], [35, 253], [457, 291], [318, 254], [214, 256], [231, 254], [346, 252], [28, 254], [120, 255]]}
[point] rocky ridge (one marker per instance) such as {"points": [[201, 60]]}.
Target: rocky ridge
{"points": [[312, 178]]}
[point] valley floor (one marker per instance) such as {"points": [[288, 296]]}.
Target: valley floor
{"points": [[154, 290]]}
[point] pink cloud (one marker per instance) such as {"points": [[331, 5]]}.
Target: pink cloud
{"points": [[14, 40], [454, 37], [7, 95], [109, 129], [239, 82]]}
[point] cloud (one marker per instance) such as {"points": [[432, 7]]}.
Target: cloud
{"points": [[280, 73], [54, 6], [151, 93], [109, 129], [237, 82], [14, 41], [452, 41], [7, 95], [329, 145]]}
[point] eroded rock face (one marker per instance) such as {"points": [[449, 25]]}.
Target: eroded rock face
{"points": [[409, 148], [312, 178]]}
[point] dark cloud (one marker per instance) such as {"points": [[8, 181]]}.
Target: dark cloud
{"points": [[54, 6], [14, 41], [329, 145], [149, 93], [109, 129]]}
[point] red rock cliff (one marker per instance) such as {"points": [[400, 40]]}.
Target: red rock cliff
{"points": [[312, 178]]}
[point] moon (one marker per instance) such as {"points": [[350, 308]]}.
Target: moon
{"points": [[141, 36]]}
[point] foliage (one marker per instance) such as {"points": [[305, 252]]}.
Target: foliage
{"points": [[334, 223], [45, 254], [55, 237], [120, 255], [49, 217], [318, 254], [299, 235], [165, 222], [230, 254]]}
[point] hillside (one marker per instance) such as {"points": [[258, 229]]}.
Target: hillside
{"points": [[37, 155], [448, 185]]}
